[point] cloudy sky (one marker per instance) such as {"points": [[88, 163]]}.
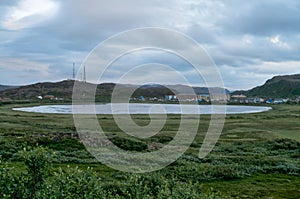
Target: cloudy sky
{"points": [[248, 41]]}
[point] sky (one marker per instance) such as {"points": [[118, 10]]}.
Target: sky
{"points": [[249, 42]]}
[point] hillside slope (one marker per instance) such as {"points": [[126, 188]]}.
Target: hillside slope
{"points": [[276, 87], [62, 89], [59, 89], [5, 87]]}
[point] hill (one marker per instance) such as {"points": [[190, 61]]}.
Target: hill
{"points": [[198, 90], [64, 90], [276, 87], [5, 87], [60, 90]]}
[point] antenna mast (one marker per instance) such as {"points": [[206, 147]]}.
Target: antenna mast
{"points": [[73, 71], [84, 74]]}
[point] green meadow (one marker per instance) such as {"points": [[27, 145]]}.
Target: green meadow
{"points": [[257, 156]]}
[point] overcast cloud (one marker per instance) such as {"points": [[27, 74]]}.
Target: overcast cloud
{"points": [[249, 41]]}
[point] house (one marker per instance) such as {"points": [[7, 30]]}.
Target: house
{"points": [[219, 97], [187, 98], [51, 97], [170, 98], [141, 98], [278, 101], [269, 101], [59, 99], [238, 98], [259, 100], [249, 100], [153, 99], [203, 98]]}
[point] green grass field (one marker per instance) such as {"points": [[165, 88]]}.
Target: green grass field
{"points": [[257, 155]]}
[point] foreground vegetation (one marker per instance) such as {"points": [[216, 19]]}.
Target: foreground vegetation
{"points": [[257, 156]]}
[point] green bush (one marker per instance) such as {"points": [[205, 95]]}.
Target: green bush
{"points": [[12, 185], [16, 184], [72, 182], [285, 144], [63, 144], [129, 144], [9, 150]]}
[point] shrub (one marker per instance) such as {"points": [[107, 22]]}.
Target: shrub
{"points": [[129, 144], [38, 162], [14, 184], [73, 183], [285, 144]]}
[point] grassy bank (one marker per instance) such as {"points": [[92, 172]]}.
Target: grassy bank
{"points": [[257, 155]]}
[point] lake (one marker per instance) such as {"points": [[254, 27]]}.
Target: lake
{"points": [[141, 108]]}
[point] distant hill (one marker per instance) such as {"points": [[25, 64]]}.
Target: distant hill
{"points": [[198, 90], [5, 87], [276, 87], [64, 89], [59, 89], [162, 90]]}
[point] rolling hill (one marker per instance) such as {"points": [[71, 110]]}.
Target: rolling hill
{"points": [[276, 87], [5, 87], [59, 89], [64, 89]]}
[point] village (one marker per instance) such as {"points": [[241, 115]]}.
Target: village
{"points": [[219, 98], [188, 98]]}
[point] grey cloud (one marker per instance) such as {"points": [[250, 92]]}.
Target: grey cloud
{"points": [[202, 34], [92, 21], [6, 3], [236, 34], [262, 17]]}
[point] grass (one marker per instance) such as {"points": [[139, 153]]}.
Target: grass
{"points": [[257, 155], [267, 186]]}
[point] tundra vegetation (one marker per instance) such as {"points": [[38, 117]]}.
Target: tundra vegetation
{"points": [[257, 156]]}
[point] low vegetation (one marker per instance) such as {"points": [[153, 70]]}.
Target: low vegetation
{"points": [[257, 156]]}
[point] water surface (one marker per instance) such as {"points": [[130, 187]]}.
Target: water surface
{"points": [[136, 108]]}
